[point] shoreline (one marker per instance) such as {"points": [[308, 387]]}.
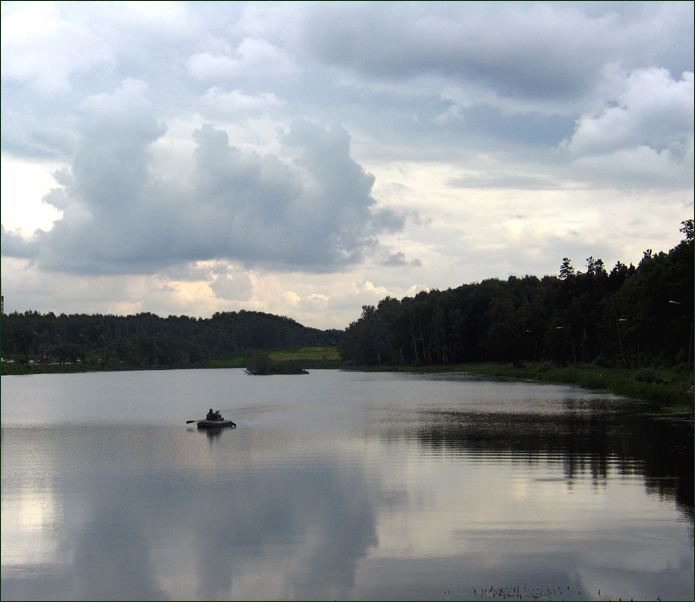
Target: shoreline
{"points": [[660, 386], [655, 385]]}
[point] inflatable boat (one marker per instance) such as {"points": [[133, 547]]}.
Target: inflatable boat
{"points": [[215, 424]]}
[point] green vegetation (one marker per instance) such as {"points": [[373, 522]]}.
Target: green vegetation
{"points": [[630, 318], [260, 364], [146, 341], [312, 354], [629, 331], [658, 386], [285, 361], [307, 357], [661, 387]]}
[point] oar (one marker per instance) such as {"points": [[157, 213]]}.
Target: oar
{"points": [[189, 421]]}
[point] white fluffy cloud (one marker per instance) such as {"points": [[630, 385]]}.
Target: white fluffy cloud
{"points": [[236, 101], [653, 109], [30, 36], [313, 211], [645, 133], [251, 57], [232, 287]]}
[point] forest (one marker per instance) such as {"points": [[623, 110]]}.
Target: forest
{"points": [[630, 317], [146, 339]]}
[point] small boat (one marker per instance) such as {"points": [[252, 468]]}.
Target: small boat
{"points": [[215, 424]]}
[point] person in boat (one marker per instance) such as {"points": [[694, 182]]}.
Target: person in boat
{"points": [[211, 415], [218, 416]]}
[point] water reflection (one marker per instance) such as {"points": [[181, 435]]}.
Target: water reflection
{"points": [[399, 488], [112, 554], [594, 440], [316, 522], [296, 528]]}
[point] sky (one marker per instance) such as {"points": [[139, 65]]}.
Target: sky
{"points": [[306, 159]]}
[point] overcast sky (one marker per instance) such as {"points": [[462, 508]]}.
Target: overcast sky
{"points": [[306, 159]]}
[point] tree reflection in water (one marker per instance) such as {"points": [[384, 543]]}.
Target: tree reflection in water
{"points": [[593, 440]]}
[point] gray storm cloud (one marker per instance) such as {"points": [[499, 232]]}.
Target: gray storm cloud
{"points": [[517, 49], [312, 211]]}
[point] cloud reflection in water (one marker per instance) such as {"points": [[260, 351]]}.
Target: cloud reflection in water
{"points": [[371, 499]]}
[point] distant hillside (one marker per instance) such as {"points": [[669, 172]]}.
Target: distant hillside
{"points": [[146, 339]]}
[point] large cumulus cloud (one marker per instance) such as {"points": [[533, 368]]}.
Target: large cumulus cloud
{"points": [[312, 209]]}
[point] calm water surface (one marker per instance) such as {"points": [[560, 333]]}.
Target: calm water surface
{"points": [[339, 485]]}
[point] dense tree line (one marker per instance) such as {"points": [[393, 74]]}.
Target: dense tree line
{"points": [[629, 317], [146, 339]]}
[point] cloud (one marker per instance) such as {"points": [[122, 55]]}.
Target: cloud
{"points": [[284, 143], [652, 109], [488, 46], [644, 135], [396, 259], [111, 155], [236, 287], [253, 55], [30, 36], [15, 245], [642, 166], [238, 102], [313, 210], [506, 181]]}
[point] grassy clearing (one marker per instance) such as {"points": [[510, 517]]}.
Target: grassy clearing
{"points": [[288, 359], [321, 358], [305, 353]]}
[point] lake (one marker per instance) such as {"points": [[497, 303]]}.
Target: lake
{"points": [[340, 485]]}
